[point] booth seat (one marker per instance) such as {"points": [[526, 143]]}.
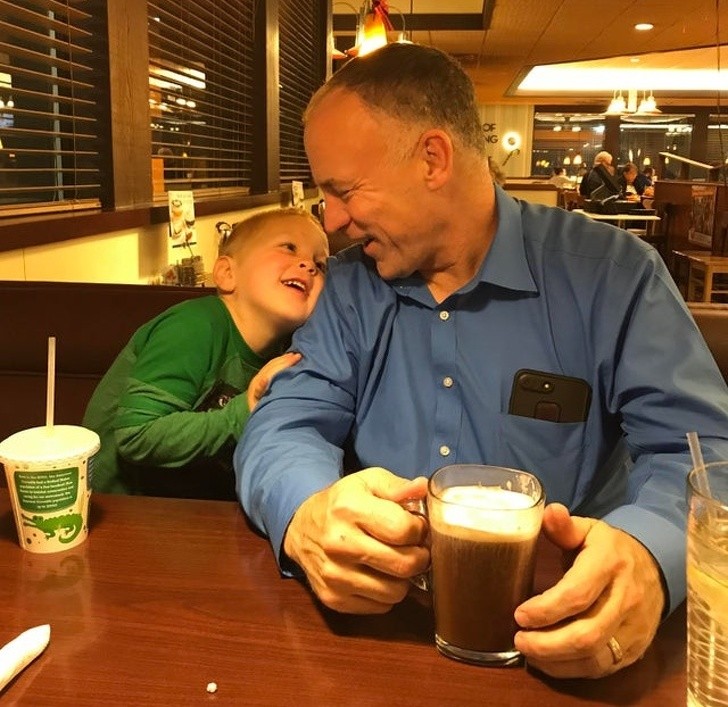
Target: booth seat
{"points": [[91, 323], [712, 320]]}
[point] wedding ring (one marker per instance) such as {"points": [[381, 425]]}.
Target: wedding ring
{"points": [[616, 650]]}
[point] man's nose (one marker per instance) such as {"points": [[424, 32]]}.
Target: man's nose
{"points": [[336, 217]]}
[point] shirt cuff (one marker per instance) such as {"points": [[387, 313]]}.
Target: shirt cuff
{"points": [[282, 501], [663, 539]]}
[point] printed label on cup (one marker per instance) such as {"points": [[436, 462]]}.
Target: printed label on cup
{"points": [[47, 470]]}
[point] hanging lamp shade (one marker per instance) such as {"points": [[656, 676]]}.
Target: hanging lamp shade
{"points": [[371, 30], [617, 105], [648, 105]]}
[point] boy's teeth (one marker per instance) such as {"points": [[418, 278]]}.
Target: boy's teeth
{"points": [[294, 283]]}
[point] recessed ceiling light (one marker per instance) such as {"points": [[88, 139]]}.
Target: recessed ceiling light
{"points": [[644, 26], [635, 60]]}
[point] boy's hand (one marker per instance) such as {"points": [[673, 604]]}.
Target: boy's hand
{"points": [[260, 382]]}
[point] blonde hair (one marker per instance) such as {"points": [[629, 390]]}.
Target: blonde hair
{"points": [[603, 157], [247, 231]]}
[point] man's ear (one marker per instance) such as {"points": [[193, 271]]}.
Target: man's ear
{"points": [[223, 274], [436, 150]]}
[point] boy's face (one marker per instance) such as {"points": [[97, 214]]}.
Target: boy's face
{"points": [[280, 274]]}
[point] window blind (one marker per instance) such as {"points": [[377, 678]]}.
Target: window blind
{"points": [[200, 94], [48, 125], [302, 71]]}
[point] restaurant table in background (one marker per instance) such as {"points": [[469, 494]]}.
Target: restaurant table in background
{"points": [[703, 266], [169, 595], [624, 220]]}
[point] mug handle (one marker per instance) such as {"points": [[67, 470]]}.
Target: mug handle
{"points": [[418, 507]]}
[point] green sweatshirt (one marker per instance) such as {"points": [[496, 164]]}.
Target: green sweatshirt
{"points": [[173, 403]]}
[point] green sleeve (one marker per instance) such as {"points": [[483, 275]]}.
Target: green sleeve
{"points": [[178, 438], [178, 359]]}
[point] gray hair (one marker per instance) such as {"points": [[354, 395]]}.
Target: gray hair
{"points": [[603, 157], [414, 84]]}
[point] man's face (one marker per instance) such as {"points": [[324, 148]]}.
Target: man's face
{"points": [[630, 175], [370, 192], [281, 273]]}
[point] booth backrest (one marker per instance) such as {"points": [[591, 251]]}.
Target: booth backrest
{"points": [[712, 320], [91, 323]]}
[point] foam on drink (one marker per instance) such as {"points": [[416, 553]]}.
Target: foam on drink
{"points": [[490, 509]]}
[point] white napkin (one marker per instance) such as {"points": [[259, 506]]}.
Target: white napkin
{"points": [[22, 651]]}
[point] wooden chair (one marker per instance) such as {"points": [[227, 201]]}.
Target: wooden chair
{"points": [[658, 238], [570, 199]]}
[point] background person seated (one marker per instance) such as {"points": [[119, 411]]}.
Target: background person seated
{"points": [[592, 180], [560, 180], [634, 184]]}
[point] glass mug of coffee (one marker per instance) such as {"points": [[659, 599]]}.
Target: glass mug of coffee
{"points": [[484, 523]]}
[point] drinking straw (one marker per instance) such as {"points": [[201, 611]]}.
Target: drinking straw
{"points": [[701, 477], [51, 383]]}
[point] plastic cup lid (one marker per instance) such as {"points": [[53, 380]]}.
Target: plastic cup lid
{"points": [[43, 444]]}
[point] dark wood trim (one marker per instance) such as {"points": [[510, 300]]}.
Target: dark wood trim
{"points": [[419, 22], [25, 232], [131, 139], [612, 137], [328, 29], [42, 230], [266, 103], [699, 136]]}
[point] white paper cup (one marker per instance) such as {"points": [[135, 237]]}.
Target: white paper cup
{"points": [[48, 470]]}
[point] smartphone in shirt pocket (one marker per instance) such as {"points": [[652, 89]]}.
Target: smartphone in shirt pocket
{"points": [[549, 396]]}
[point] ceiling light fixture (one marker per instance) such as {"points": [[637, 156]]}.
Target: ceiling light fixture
{"points": [[371, 28], [644, 26], [618, 106]]}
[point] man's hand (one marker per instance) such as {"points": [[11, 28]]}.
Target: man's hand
{"points": [[356, 544], [261, 380], [612, 591]]}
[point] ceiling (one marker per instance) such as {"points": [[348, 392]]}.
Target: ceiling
{"points": [[498, 41]]}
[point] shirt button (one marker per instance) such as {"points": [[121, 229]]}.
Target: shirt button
{"points": [[444, 450], [447, 382], [444, 316]]}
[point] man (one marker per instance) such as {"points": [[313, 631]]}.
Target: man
{"points": [[559, 179], [411, 354], [634, 184], [592, 180]]}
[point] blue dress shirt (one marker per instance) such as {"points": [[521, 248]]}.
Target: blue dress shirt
{"points": [[417, 385]]}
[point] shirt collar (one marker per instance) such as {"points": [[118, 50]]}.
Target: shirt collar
{"points": [[506, 264]]}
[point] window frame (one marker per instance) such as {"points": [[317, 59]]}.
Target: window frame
{"points": [[127, 199]]}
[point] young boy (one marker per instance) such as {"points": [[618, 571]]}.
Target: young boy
{"points": [[175, 401]]}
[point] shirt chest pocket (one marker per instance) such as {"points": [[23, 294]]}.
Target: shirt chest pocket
{"points": [[553, 451]]}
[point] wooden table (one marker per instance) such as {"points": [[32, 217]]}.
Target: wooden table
{"points": [[168, 595], [703, 263]]}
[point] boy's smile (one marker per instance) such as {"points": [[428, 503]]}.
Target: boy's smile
{"points": [[278, 276]]}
